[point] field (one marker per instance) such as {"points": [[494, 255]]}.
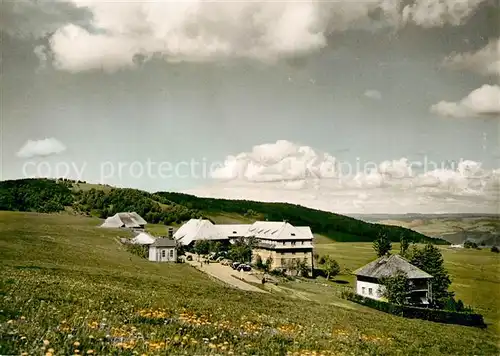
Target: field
{"points": [[68, 287], [455, 229], [474, 273]]}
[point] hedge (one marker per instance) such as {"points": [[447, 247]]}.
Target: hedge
{"points": [[436, 315]]}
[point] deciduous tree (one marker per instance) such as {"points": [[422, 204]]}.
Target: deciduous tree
{"points": [[382, 245], [430, 260], [396, 288]]}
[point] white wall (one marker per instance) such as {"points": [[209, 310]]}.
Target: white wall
{"points": [[152, 253], [376, 289], [156, 254]]}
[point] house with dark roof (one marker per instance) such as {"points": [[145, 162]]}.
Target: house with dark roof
{"points": [[163, 250], [369, 279]]}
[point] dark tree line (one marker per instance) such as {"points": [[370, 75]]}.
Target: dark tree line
{"points": [[338, 227], [108, 203], [47, 196], [37, 195]]}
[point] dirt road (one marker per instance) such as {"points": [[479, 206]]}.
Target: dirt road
{"points": [[226, 274]]}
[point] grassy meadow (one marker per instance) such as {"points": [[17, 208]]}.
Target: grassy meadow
{"points": [[68, 287], [475, 274]]}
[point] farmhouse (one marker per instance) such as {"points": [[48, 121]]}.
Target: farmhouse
{"points": [[280, 242], [128, 220], [163, 250], [368, 278]]}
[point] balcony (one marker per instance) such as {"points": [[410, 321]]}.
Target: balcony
{"points": [[277, 245]]}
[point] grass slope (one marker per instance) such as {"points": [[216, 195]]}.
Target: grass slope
{"points": [[67, 285], [474, 273]]}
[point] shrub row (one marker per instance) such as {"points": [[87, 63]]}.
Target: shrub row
{"points": [[436, 315]]}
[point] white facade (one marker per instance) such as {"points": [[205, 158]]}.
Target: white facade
{"points": [[369, 290], [284, 243], [162, 254]]}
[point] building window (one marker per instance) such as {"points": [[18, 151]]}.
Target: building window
{"points": [[293, 253], [370, 291], [171, 253], [293, 234], [162, 253], [293, 243], [363, 290]]}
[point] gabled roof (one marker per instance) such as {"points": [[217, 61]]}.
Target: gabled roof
{"points": [[143, 239], [164, 242], [138, 218], [233, 230], [124, 220], [388, 266], [198, 229], [274, 230], [306, 231]]}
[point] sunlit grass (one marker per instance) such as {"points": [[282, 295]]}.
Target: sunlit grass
{"points": [[69, 288]]}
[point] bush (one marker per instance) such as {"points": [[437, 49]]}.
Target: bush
{"points": [[494, 249], [436, 315], [470, 244], [258, 262], [138, 250]]}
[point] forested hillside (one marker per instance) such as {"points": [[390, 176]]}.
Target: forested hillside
{"points": [[50, 196], [338, 227]]}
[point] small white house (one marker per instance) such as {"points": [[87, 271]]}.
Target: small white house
{"points": [[163, 250], [368, 278]]}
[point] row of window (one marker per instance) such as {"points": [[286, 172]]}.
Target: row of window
{"points": [[370, 291], [171, 253]]}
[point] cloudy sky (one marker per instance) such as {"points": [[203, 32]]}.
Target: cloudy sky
{"points": [[376, 106]]}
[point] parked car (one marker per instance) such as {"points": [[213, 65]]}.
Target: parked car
{"points": [[244, 267], [235, 265], [225, 262]]}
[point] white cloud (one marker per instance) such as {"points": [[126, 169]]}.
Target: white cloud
{"points": [[45, 147], [483, 101], [301, 175], [41, 53], [437, 13], [111, 35], [373, 94], [486, 61]]}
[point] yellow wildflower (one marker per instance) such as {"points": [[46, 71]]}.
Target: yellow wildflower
{"points": [[46, 342], [76, 344]]}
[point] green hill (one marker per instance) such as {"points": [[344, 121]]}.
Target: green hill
{"points": [[68, 287], [43, 195]]}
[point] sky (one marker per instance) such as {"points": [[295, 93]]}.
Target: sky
{"points": [[376, 106]]}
